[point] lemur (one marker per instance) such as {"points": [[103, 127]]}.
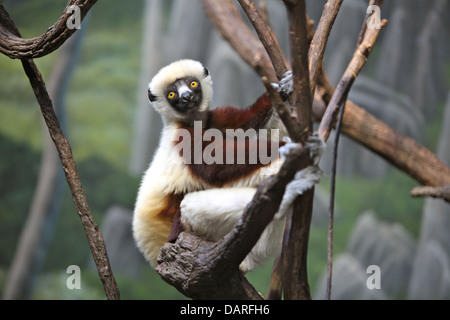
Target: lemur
{"points": [[178, 193]]}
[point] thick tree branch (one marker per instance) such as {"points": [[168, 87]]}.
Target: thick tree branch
{"points": [[291, 125], [296, 235], [16, 47], [226, 18], [95, 238]]}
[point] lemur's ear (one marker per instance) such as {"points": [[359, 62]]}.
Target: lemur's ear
{"points": [[151, 96], [205, 72]]}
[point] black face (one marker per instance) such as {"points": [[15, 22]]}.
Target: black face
{"points": [[185, 95]]}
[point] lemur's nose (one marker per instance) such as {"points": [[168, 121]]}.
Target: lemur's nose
{"points": [[187, 96]]}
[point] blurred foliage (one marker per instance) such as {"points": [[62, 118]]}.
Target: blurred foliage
{"points": [[16, 191]]}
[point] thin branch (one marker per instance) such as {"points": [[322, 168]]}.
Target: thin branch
{"points": [[319, 41], [349, 76], [225, 16], [94, 236], [266, 36], [296, 235], [439, 192], [16, 47], [362, 32], [337, 105], [331, 203]]}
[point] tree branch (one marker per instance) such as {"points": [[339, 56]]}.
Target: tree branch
{"points": [[435, 192], [354, 67], [94, 236], [16, 47], [296, 235], [320, 39], [266, 36]]}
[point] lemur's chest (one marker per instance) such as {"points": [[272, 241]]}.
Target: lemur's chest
{"points": [[192, 158]]}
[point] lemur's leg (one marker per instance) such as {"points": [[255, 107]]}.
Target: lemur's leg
{"points": [[213, 213]]}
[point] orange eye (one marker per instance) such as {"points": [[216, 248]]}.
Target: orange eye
{"points": [[194, 84], [171, 95]]}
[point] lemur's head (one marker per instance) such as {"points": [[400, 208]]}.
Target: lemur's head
{"points": [[181, 91]]}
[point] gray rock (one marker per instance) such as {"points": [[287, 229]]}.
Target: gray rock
{"points": [[431, 270], [389, 246], [431, 276], [349, 281], [123, 254]]}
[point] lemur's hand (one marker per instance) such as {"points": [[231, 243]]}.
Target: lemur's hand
{"points": [[285, 86], [314, 143], [304, 179]]}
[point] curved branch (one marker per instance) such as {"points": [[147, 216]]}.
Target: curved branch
{"points": [[15, 47]]}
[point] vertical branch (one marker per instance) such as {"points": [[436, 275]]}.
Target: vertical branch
{"points": [[301, 97], [295, 242]]}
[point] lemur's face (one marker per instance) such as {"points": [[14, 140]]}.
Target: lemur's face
{"points": [[184, 94], [181, 92]]}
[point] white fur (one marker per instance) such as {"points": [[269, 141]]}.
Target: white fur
{"points": [[213, 213], [166, 175]]}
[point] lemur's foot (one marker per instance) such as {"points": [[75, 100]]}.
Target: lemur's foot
{"points": [[316, 146]]}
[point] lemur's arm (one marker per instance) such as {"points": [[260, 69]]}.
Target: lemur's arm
{"points": [[255, 116]]}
